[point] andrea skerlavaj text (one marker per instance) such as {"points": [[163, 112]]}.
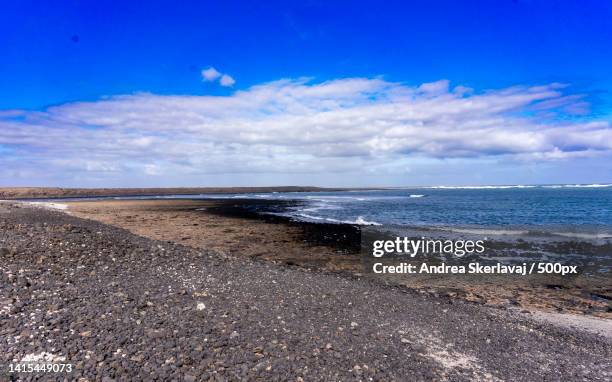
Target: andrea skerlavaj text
{"points": [[407, 256]]}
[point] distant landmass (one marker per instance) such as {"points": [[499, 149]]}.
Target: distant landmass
{"points": [[59, 192]]}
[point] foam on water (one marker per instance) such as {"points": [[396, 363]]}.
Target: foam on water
{"points": [[479, 187], [359, 221], [519, 186], [49, 205], [484, 231], [585, 235]]}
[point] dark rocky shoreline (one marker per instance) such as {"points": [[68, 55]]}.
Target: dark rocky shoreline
{"points": [[122, 307], [344, 238]]}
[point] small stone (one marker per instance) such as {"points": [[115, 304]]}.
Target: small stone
{"points": [[189, 378], [86, 333], [234, 334], [405, 341], [200, 306]]}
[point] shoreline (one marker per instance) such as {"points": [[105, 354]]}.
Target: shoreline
{"points": [[119, 305], [239, 227], [234, 226]]}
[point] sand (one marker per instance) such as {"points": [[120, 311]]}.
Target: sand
{"points": [[199, 224]]}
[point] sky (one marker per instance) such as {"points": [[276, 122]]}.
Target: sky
{"points": [[168, 93]]}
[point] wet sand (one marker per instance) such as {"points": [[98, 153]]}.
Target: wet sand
{"points": [[235, 227], [231, 227]]}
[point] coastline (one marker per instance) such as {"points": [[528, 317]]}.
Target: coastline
{"points": [[115, 304], [238, 227], [11, 193]]}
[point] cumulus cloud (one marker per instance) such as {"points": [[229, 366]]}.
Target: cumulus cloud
{"points": [[210, 74], [226, 80], [301, 126]]}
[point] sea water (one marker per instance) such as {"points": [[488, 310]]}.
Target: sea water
{"points": [[566, 223], [581, 211], [572, 211]]}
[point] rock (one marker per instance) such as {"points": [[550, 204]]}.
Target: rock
{"points": [[86, 333]]}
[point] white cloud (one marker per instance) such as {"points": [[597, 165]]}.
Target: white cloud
{"points": [[152, 169], [341, 126], [210, 74], [437, 87], [226, 80]]}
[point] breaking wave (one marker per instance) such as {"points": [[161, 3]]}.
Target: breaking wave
{"points": [[502, 187]]}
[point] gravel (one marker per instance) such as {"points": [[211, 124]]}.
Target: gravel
{"points": [[122, 307]]}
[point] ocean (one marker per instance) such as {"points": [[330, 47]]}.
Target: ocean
{"points": [[571, 224], [581, 211]]}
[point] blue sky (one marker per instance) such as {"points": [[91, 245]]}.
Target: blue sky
{"points": [[119, 88]]}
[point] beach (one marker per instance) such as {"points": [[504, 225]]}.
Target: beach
{"points": [[120, 305], [238, 227]]}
